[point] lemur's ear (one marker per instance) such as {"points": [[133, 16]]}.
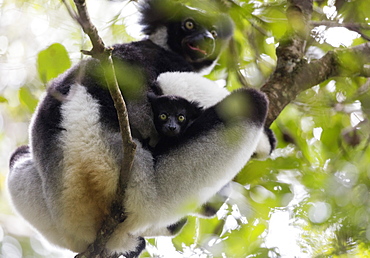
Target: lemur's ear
{"points": [[152, 97], [156, 13]]}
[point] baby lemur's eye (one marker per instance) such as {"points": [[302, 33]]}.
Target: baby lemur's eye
{"points": [[163, 116], [181, 118]]}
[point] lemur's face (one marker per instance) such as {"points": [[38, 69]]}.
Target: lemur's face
{"points": [[198, 36], [195, 40], [170, 124], [190, 32], [172, 114]]}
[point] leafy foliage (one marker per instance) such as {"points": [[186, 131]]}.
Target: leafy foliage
{"points": [[52, 61], [319, 174]]}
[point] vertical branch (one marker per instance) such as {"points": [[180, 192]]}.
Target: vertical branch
{"points": [[83, 19], [129, 145], [100, 52], [280, 87]]}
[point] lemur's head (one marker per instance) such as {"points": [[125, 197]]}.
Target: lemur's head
{"points": [[199, 36], [172, 115]]}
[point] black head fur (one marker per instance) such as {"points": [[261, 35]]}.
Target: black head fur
{"points": [[172, 108], [202, 40]]}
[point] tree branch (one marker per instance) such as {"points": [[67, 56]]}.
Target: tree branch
{"points": [[102, 53], [289, 58], [281, 89], [294, 74]]}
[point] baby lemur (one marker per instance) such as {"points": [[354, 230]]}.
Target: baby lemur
{"points": [[172, 116]]}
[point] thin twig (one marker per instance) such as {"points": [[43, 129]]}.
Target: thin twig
{"points": [[234, 64], [83, 19], [71, 12], [253, 21], [350, 26], [356, 27]]}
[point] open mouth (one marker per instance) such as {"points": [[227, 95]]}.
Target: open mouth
{"points": [[196, 48]]}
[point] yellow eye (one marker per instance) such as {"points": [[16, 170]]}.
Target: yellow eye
{"points": [[214, 33], [163, 116], [189, 25], [181, 118]]}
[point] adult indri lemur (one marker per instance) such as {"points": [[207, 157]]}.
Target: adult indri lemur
{"points": [[64, 181]]}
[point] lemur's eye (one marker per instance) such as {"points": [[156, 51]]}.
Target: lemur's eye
{"points": [[163, 116], [214, 33], [181, 118], [189, 24]]}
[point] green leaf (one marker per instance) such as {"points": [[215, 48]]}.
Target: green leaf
{"points": [[3, 100], [186, 236], [27, 99], [52, 61]]}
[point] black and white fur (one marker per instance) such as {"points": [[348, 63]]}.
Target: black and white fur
{"points": [[63, 183]]}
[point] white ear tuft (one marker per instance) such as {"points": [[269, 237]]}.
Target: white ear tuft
{"points": [[159, 37]]}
